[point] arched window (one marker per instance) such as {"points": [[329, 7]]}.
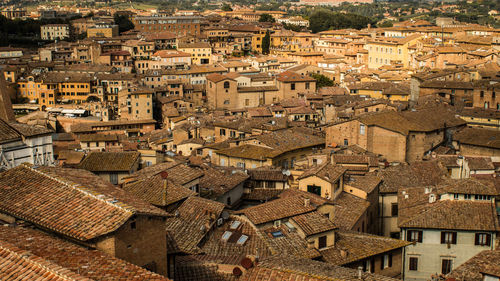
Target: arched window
{"points": [[226, 85]]}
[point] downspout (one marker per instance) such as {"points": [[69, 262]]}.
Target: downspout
{"points": [[403, 257]]}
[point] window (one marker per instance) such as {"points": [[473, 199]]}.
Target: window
{"points": [[481, 94], [222, 132], [314, 189], [386, 261], [455, 196], [414, 236], [322, 242], [362, 129], [483, 239], [307, 86], [292, 86], [481, 197], [467, 196], [395, 235], [113, 178], [394, 209], [413, 264], [226, 85], [446, 266], [448, 237], [346, 142]]}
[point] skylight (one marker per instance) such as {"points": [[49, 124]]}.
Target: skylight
{"points": [[226, 236], [242, 240]]}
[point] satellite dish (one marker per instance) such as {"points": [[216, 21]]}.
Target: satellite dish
{"points": [[225, 215], [286, 173]]}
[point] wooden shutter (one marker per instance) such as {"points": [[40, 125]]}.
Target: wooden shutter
{"points": [[372, 265], [420, 232], [382, 262], [476, 239], [390, 260], [443, 236], [454, 238], [408, 235], [488, 239]]}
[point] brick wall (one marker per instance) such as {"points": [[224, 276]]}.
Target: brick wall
{"points": [[143, 245]]}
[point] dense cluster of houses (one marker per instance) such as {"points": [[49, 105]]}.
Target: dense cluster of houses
{"points": [[178, 151]]}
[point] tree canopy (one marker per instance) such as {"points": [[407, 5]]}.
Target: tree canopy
{"points": [[322, 80], [322, 20], [226, 7], [266, 43], [124, 24], [266, 18]]}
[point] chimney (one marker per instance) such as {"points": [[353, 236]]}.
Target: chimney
{"points": [[307, 202], [164, 176]]}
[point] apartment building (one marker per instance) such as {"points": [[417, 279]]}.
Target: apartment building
{"points": [[102, 30], [201, 53], [389, 51], [180, 25], [448, 226], [54, 32], [136, 104]]}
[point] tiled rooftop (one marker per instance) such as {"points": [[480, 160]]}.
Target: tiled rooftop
{"points": [[51, 256], [72, 202]]}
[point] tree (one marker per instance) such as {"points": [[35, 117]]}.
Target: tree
{"points": [[266, 18], [266, 43], [226, 7], [322, 20], [386, 23], [123, 22], [322, 80], [292, 27]]}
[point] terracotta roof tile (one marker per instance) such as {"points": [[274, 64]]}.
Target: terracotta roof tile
{"points": [[72, 202], [110, 161], [77, 262], [277, 209], [217, 182], [286, 268], [8, 133], [327, 171], [313, 223], [196, 216], [354, 246], [415, 211], [17, 264], [347, 210], [473, 269], [423, 173], [152, 190], [479, 137]]}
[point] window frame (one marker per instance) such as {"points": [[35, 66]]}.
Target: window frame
{"points": [[413, 264], [449, 237]]}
